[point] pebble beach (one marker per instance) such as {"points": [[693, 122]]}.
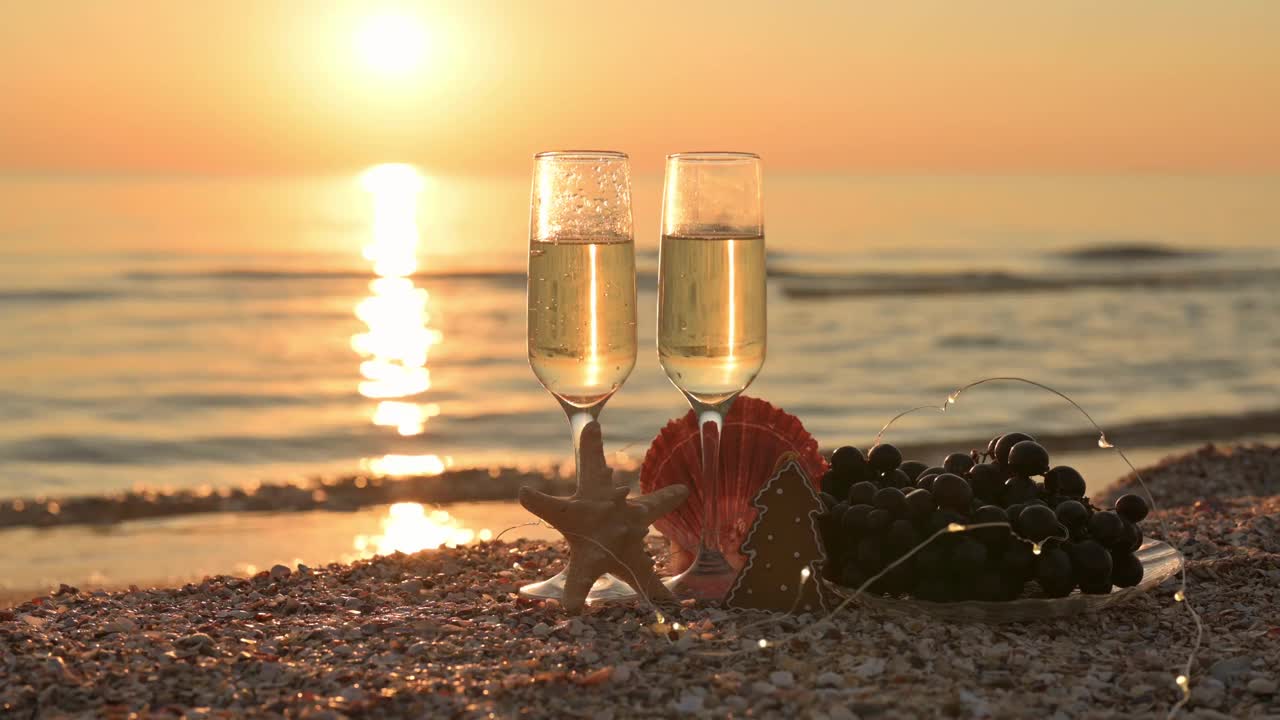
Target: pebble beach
{"points": [[442, 633]]}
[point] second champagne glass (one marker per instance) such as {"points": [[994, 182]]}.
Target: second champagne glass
{"points": [[582, 299], [711, 319]]}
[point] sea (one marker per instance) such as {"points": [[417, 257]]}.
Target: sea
{"points": [[210, 332]]}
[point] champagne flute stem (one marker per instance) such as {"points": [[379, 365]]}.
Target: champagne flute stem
{"points": [[709, 425], [579, 420]]}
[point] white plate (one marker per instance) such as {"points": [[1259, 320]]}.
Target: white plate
{"points": [[1159, 563]]}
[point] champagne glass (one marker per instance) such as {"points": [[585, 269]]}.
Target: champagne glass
{"points": [[711, 318], [582, 299]]}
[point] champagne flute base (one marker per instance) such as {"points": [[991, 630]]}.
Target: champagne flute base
{"points": [[607, 589], [709, 579]]}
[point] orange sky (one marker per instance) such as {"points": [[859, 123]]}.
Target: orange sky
{"points": [[269, 86]]}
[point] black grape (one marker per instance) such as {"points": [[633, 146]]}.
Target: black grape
{"points": [[899, 579], [1014, 511], [951, 491], [1092, 565], [878, 520], [1054, 572], [1037, 523], [891, 499], [1132, 507], [920, 503], [1018, 561], [870, 555], [884, 457], [993, 536], [1006, 443], [968, 557], [987, 481], [1126, 569], [902, 536], [941, 518], [855, 520], [932, 560], [1131, 539], [913, 468], [862, 493], [989, 586], [1072, 513], [828, 500], [835, 484], [1028, 458], [1064, 480], [1019, 490], [957, 463], [1106, 527], [896, 479], [848, 461]]}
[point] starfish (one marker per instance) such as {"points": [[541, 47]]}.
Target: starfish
{"points": [[604, 528]]}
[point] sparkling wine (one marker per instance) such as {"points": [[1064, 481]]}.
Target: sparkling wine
{"points": [[711, 314], [582, 316]]}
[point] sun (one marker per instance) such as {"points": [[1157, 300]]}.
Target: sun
{"points": [[391, 43]]}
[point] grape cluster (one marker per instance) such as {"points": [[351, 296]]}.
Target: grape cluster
{"points": [[878, 507]]}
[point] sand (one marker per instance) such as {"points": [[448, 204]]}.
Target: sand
{"points": [[442, 634]]}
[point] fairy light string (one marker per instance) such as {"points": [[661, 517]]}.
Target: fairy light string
{"points": [[1182, 680], [1181, 597]]}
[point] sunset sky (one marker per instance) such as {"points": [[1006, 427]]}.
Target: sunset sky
{"points": [[271, 87]]}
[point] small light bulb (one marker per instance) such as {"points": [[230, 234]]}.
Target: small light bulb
{"points": [[763, 643], [1035, 548], [1182, 681], [951, 399], [676, 627], [661, 618], [1179, 596], [955, 527], [804, 574]]}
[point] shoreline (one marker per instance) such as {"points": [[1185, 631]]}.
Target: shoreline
{"points": [[351, 492], [174, 549], [441, 633]]}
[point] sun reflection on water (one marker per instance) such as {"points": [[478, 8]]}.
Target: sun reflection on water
{"points": [[410, 527], [399, 338]]}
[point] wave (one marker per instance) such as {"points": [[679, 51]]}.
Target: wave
{"points": [[247, 449], [54, 295], [1130, 251], [819, 286]]}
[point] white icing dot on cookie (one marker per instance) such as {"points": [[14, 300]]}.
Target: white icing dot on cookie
{"points": [[769, 536], [797, 519], [779, 491], [783, 588], [795, 555], [768, 565]]}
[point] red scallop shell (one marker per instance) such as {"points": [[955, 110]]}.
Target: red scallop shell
{"points": [[754, 436]]}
